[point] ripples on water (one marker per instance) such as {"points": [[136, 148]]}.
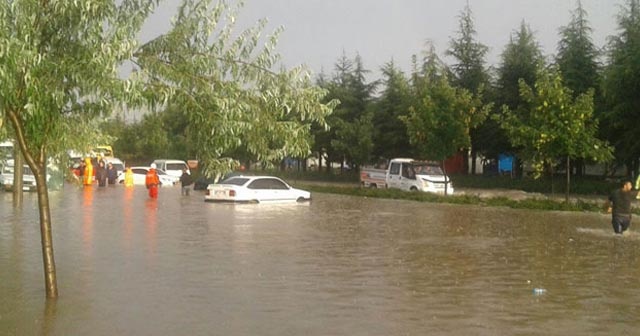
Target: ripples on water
{"points": [[339, 265]]}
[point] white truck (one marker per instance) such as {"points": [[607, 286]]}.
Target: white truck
{"points": [[407, 174]]}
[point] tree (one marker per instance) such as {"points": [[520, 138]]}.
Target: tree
{"points": [[227, 84], [577, 59], [555, 126], [521, 60], [439, 121], [350, 135], [622, 84], [577, 55], [469, 71], [59, 64], [390, 133], [58, 67]]}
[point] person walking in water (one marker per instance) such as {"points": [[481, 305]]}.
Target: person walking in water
{"points": [[620, 207], [128, 177], [152, 181], [101, 174], [112, 173], [186, 181], [87, 178]]}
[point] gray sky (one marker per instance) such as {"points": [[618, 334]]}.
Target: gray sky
{"points": [[317, 32]]}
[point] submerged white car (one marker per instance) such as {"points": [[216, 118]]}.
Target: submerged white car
{"points": [[140, 175], [254, 189]]}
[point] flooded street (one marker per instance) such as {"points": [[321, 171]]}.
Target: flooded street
{"points": [[340, 265]]}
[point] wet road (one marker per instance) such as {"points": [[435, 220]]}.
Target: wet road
{"points": [[339, 265]]}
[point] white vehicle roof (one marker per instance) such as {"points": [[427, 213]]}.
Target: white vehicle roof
{"points": [[169, 161], [402, 160], [113, 160]]}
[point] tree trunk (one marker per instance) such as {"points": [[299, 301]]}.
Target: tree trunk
{"points": [[39, 168], [465, 161], [566, 197], [550, 165], [446, 178], [18, 182], [474, 157], [51, 284]]}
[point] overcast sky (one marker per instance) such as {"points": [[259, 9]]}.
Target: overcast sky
{"points": [[317, 32]]}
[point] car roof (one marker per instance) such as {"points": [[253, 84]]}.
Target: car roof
{"points": [[252, 177]]}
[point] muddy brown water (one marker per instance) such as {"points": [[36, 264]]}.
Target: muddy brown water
{"points": [[338, 265]]}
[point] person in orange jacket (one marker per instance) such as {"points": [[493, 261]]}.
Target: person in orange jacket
{"points": [[87, 179], [152, 181]]}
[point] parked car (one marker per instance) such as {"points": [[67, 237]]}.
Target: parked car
{"points": [[254, 189], [140, 174], [6, 176], [172, 167]]}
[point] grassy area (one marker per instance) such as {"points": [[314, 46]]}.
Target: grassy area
{"points": [[530, 203], [588, 185], [347, 184]]}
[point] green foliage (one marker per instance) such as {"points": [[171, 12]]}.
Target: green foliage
{"points": [[577, 55], [470, 73], [521, 60], [58, 66], [225, 83], [469, 70], [59, 71], [390, 137], [350, 132], [542, 185], [440, 118], [555, 126], [622, 83]]}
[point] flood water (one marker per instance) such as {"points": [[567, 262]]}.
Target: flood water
{"points": [[340, 265]]}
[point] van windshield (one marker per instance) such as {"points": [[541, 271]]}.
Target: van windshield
{"points": [[176, 166]]}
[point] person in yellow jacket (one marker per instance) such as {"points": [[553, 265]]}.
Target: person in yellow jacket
{"points": [[128, 177], [87, 178]]}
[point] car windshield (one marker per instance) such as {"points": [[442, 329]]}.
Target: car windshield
{"points": [[427, 169], [161, 172], [236, 181]]}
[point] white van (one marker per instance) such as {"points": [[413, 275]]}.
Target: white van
{"points": [[172, 167], [117, 164]]}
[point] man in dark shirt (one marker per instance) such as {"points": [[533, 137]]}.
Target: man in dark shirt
{"points": [[186, 182], [620, 207]]}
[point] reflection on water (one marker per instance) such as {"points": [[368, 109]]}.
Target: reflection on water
{"points": [[130, 265]]}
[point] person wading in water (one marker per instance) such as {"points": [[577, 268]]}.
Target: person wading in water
{"points": [[620, 207]]}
